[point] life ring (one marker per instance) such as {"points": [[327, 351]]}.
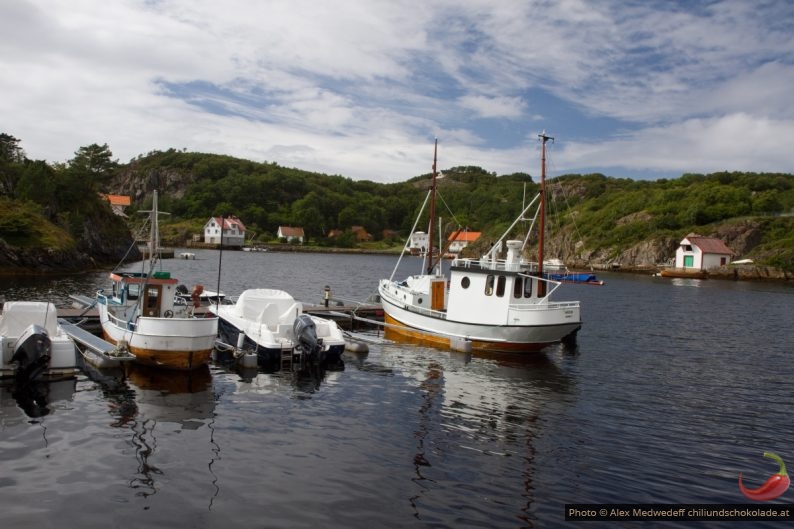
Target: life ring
{"points": [[168, 314]]}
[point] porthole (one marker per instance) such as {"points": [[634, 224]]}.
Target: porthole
{"points": [[419, 301], [465, 282]]}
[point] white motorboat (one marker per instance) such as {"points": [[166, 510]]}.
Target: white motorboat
{"points": [[486, 304], [271, 323], [33, 344]]}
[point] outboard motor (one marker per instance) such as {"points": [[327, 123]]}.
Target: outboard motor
{"points": [[32, 353], [305, 332]]}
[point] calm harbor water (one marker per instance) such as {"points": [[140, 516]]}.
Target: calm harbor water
{"points": [[674, 388]]}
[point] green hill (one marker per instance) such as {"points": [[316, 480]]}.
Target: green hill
{"points": [[593, 219]]}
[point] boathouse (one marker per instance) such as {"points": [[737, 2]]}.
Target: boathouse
{"points": [[233, 231], [701, 253]]}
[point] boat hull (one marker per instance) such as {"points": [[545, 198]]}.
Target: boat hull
{"points": [[173, 343], [445, 333], [684, 273]]}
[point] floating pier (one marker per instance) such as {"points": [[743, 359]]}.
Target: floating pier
{"points": [[95, 350]]}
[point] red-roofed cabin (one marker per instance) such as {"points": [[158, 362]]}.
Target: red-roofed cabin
{"points": [[701, 253]]}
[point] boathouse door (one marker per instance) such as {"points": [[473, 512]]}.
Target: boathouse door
{"points": [[151, 301], [689, 261]]}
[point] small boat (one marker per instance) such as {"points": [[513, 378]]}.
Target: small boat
{"points": [[271, 324], [141, 310], [486, 304], [187, 255], [684, 273], [33, 344], [198, 297]]}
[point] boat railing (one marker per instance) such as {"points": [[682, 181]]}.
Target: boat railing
{"points": [[497, 265], [124, 324], [544, 306], [426, 312]]}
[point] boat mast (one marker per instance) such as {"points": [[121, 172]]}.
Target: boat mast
{"points": [[154, 250], [541, 223], [430, 234]]}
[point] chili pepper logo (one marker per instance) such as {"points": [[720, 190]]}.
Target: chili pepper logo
{"points": [[774, 486]]}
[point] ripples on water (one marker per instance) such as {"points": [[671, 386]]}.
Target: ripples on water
{"points": [[673, 390]]}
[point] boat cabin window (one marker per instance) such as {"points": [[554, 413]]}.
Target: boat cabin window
{"points": [[527, 287], [518, 287], [489, 285], [151, 298], [133, 291], [500, 286], [465, 282]]}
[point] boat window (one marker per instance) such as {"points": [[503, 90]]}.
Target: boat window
{"points": [[489, 285], [465, 282], [500, 286], [518, 287], [528, 288], [152, 298], [133, 291]]}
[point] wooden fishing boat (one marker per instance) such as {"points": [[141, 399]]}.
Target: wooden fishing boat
{"points": [[491, 303], [141, 311]]}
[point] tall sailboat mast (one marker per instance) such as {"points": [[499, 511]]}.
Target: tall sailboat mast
{"points": [[542, 221], [430, 229]]}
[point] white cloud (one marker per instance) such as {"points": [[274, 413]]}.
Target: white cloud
{"points": [[360, 88]]}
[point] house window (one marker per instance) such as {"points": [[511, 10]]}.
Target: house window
{"points": [[723, 260]]}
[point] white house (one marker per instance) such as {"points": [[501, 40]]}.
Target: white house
{"points": [[701, 253], [291, 234], [419, 242], [233, 231]]}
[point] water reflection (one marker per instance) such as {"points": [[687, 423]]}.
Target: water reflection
{"points": [[39, 398], [304, 378]]}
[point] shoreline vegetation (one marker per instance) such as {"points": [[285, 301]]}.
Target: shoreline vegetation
{"points": [[69, 217]]}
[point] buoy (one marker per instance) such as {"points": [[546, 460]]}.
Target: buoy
{"points": [[249, 360], [460, 344], [356, 347]]}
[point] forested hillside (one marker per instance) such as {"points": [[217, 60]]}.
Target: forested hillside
{"points": [[592, 218]]}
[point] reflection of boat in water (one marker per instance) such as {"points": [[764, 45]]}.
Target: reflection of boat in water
{"points": [[37, 399], [271, 324], [173, 396], [33, 344], [167, 402]]}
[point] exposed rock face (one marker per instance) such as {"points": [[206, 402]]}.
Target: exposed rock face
{"points": [[741, 238], [138, 185], [108, 241]]}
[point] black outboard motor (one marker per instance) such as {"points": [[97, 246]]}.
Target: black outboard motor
{"points": [[32, 353], [305, 332]]}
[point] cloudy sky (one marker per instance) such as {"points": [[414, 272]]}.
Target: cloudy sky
{"points": [[360, 88]]}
